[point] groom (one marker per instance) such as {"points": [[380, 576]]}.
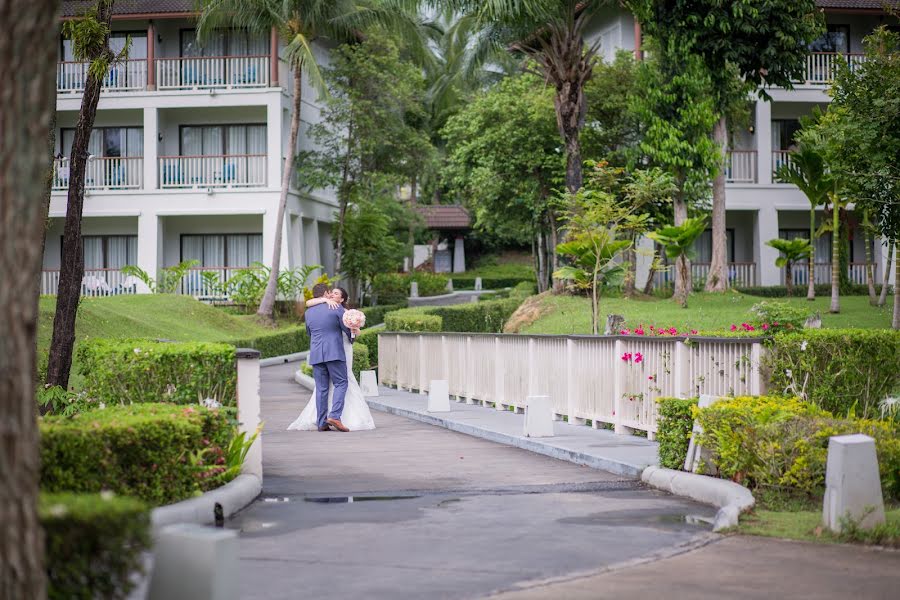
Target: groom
{"points": [[326, 355]]}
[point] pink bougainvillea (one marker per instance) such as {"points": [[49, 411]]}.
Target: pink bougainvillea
{"points": [[627, 357], [638, 357]]}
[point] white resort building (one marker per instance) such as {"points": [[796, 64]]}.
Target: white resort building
{"points": [[186, 155]]}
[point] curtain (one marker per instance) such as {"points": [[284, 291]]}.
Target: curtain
{"points": [[254, 248], [191, 141], [213, 251], [134, 141], [192, 248], [93, 252], [256, 139], [117, 247], [237, 251], [236, 139], [212, 141]]}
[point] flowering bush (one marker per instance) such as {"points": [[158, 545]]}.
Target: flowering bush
{"points": [[782, 314]]}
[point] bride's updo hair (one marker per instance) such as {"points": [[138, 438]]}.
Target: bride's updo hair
{"points": [[344, 296]]}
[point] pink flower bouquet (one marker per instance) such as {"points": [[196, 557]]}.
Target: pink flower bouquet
{"points": [[354, 319]]}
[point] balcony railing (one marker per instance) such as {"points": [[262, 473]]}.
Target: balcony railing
{"points": [[738, 273], [208, 283], [855, 271], [740, 166], [96, 282], [103, 173], [123, 76], [212, 72], [779, 159], [235, 170], [822, 66]]}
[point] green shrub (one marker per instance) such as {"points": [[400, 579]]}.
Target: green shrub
{"points": [[160, 453], [845, 371], [117, 371], [94, 544], [279, 343], [393, 288], [412, 319], [676, 420], [782, 443], [375, 314], [788, 316], [307, 369], [467, 282], [780, 291], [360, 359], [477, 317], [369, 338]]}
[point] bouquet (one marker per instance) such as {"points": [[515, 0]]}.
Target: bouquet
{"points": [[354, 319]]}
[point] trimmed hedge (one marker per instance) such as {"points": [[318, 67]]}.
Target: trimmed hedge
{"points": [[118, 371], [846, 371], [467, 282], [360, 359], [676, 420], [94, 544], [476, 317], [279, 343], [393, 288], [375, 314], [412, 319], [369, 338], [822, 290], [783, 443], [140, 450]]}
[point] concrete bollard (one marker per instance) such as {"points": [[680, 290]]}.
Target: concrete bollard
{"points": [[450, 285], [248, 406], [439, 396], [368, 382], [414, 289], [192, 562], [852, 483], [478, 284], [538, 417]]}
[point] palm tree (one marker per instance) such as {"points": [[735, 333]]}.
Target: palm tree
{"points": [[791, 252], [806, 169], [299, 24], [678, 242], [552, 34]]}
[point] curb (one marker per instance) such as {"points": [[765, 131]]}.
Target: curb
{"points": [[284, 358], [730, 498], [233, 496], [530, 444], [304, 380]]}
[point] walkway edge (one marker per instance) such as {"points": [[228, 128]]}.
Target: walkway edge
{"points": [[530, 444], [284, 358], [305, 380], [233, 496], [730, 498]]}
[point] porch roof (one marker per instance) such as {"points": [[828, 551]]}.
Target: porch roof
{"points": [[858, 4], [445, 216], [133, 8]]}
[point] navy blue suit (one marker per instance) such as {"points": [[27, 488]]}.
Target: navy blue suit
{"points": [[326, 329]]}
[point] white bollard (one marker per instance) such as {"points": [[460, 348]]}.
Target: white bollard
{"points": [[368, 382], [439, 396], [450, 285], [538, 417], [192, 562], [478, 284], [248, 404], [414, 289], [852, 483]]}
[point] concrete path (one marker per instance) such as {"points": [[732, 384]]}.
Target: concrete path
{"points": [[626, 455], [473, 517]]}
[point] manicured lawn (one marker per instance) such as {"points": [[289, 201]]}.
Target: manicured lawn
{"points": [[568, 314], [806, 525]]}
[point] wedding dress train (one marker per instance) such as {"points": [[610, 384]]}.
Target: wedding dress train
{"points": [[356, 415]]}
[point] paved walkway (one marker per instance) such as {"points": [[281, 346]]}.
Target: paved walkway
{"points": [[626, 455]]}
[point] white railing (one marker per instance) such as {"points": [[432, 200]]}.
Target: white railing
{"points": [[585, 376], [780, 158], [855, 271], [212, 72], [235, 170], [96, 282], [103, 173], [740, 166], [208, 282], [739, 274], [822, 66], [123, 76]]}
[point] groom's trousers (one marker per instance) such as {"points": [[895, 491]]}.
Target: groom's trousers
{"points": [[334, 372]]}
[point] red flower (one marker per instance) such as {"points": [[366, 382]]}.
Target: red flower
{"points": [[640, 330], [625, 332], [734, 327], [626, 357], [638, 357], [672, 331], [693, 332]]}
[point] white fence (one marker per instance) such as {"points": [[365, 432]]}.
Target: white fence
{"points": [[103, 173], [233, 170], [122, 76], [96, 282], [586, 377], [822, 66], [856, 272], [740, 166], [212, 72], [740, 274]]}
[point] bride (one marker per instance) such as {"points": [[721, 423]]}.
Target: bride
{"points": [[356, 415]]}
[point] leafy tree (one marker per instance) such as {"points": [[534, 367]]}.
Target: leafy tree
{"points": [[300, 24], [504, 160], [28, 58], [743, 44], [90, 38], [678, 242], [791, 252], [612, 131]]}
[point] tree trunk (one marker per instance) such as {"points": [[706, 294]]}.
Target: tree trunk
{"points": [[28, 54], [343, 201], [570, 112], [683, 284], [71, 270], [595, 304], [411, 234], [651, 273], [870, 275], [681, 292], [789, 279], [631, 272], [811, 275], [882, 297], [51, 147], [716, 279], [541, 261], [896, 320], [267, 305], [835, 261]]}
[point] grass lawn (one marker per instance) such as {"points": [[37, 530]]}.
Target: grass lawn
{"points": [[572, 315], [806, 525]]}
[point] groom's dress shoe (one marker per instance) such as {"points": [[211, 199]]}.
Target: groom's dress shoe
{"points": [[336, 423], [324, 428]]}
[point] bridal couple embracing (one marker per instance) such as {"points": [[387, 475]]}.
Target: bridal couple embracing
{"points": [[337, 401]]}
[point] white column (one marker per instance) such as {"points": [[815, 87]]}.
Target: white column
{"points": [[248, 404], [151, 148], [269, 225], [149, 246], [764, 141], [274, 141], [459, 255], [765, 256], [311, 242]]}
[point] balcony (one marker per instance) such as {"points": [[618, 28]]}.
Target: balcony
{"points": [[212, 72], [125, 76], [780, 158], [856, 272], [822, 66], [740, 166], [96, 282], [103, 173], [223, 171], [739, 274]]}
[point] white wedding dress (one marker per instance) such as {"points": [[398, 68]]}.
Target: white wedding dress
{"points": [[356, 415]]}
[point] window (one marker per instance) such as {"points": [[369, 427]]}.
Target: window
{"points": [[217, 140], [113, 142], [703, 246], [784, 133], [117, 40], [836, 40], [224, 42], [222, 250], [822, 243], [108, 251]]}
